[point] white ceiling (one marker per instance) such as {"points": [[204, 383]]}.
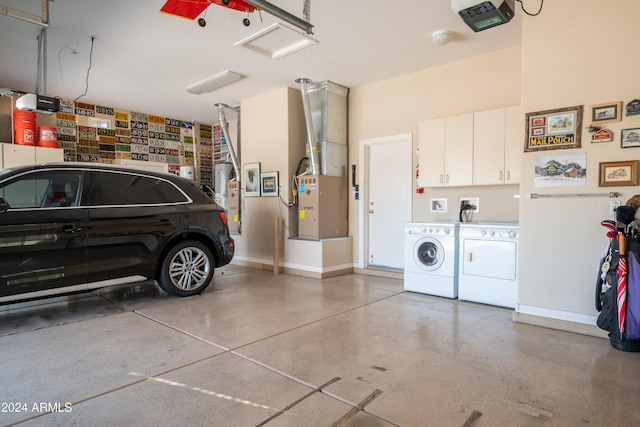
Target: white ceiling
{"points": [[144, 60]]}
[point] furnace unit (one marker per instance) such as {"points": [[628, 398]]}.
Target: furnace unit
{"points": [[322, 207]]}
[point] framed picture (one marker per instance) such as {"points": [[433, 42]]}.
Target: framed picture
{"points": [[554, 129], [630, 138], [561, 169], [269, 183], [606, 113], [613, 174], [252, 180]]}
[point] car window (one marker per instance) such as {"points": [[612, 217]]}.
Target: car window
{"points": [[42, 189], [108, 188]]}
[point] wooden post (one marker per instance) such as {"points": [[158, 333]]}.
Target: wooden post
{"points": [[276, 246]]}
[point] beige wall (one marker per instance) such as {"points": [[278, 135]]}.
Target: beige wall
{"points": [[272, 134], [398, 105], [576, 52]]}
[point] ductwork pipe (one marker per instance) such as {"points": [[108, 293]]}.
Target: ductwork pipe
{"points": [[311, 138], [222, 119]]}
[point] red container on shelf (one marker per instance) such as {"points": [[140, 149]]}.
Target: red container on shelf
{"points": [[24, 127], [48, 136]]}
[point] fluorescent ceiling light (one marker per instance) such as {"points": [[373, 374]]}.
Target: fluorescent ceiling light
{"points": [[214, 82], [276, 41]]}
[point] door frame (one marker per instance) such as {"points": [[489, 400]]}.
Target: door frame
{"points": [[363, 179]]}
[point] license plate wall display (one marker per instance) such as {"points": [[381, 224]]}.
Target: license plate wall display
{"points": [[102, 134]]}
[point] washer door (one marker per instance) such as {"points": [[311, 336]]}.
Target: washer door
{"points": [[428, 253]]}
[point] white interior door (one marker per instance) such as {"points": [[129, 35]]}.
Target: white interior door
{"points": [[387, 199]]}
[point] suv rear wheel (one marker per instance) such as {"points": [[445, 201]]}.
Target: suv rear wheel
{"points": [[187, 269]]}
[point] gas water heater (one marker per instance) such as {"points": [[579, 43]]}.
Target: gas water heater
{"points": [[227, 182]]}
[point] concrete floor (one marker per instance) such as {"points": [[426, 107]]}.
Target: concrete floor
{"points": [[259, 349]]}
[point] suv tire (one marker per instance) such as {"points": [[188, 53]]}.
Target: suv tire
{"points": [[187, 269]]}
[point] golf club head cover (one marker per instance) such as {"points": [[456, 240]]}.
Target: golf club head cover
{"points": [[625, 214]]}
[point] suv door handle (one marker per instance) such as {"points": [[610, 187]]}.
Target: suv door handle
{"points": [[70, 229], [165, 222]]}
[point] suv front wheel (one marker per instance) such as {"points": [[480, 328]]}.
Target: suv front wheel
{"points": [[187, 269]]}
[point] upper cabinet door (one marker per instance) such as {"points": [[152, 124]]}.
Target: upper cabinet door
{"points": [[458, 154], [488, 147], [513, 143], [431, 158]]}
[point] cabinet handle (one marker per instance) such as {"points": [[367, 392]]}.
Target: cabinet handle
{"points": [[500, 178], [441, 178], [470, 256], [447, 180], [508, 175]]}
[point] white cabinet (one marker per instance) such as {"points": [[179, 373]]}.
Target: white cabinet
{"points": [[431, 158], [513, 143], [19, 155], [47, 155], [497, 148], [446, 152]]}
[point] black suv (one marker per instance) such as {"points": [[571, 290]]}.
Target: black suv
{"points": [[69, 227]]}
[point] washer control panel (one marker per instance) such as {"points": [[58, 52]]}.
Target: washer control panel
{"points": [[430, 229]]}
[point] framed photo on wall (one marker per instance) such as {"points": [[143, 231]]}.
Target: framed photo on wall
{"points": [[269, 184], [613, 174], [630, 138], [554, 129], [606, 113], [252, 180]]}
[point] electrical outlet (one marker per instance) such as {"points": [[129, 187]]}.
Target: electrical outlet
{"points": [[475, 201], [613, 205]]}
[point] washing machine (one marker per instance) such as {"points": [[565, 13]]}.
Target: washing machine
{"points": [[431, 258], [488, 264]]}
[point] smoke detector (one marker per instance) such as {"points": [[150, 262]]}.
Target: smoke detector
{"points": [[441, 37]]}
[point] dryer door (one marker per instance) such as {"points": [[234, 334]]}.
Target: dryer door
{"points": [[428, 254]]}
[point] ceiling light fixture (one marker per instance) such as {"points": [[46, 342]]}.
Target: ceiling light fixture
{"points": [[214, 82], [441, 37], [276, 41]]}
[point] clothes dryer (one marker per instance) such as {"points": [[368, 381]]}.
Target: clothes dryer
{"points": [[488, 263], [431, 258]]}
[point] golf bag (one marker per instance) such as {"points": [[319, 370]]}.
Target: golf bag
{"points": [[606, 287], [607, 292]]}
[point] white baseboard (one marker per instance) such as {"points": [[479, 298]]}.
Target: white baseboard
{"points": [[556, 319]]}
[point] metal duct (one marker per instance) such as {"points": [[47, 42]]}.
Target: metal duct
{"points": [[282, 14], [311, 139], [223, 124]]}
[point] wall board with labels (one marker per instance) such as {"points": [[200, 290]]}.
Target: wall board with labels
{"points": [[101, 134]]}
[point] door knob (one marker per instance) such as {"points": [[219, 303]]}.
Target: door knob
{"points": [[370, 211]]}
